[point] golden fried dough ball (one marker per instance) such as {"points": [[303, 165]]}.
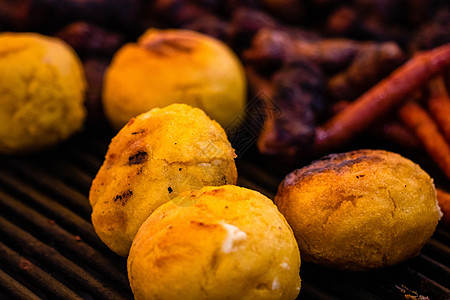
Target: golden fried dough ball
{"points": [[42, 90], [224, 242], [175, 66], [359, 210], [151, 160]]}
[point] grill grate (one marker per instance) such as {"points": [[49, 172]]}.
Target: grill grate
{"points": [[49, 250]]}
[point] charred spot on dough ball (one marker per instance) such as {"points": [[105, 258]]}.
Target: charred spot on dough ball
{"points": [[138, 132], [262, 286], [224, 179], [334, 162], [138, 158], [203, 224], [351, 162], [123, 198], [170, 45], [131, 121], [110, 160]]}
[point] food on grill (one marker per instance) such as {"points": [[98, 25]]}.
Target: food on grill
{"points": [[439, 105], [94, 69], [172, 66], [224, 242], [42, 88], [382, 98], [189, 15], [359, 210], [49, 15], [279, 46], [444, 203], [295, 100], [151, 160], [372, 62], [89, 39], [427, 131]]}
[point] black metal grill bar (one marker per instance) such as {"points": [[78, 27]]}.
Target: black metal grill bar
{"points": [[63, 240], [246, 182], [388, 283], [443, 235], [57, 263], [71, 174], [14, 289], [86, 161], [40, 278], [311, 291], [56, 211], [258, 175], [97, 142], [340, 285], [404, 280], [73, 198], [432, 269], [438, 250], [416, 281]]}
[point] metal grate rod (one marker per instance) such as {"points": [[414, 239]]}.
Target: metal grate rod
{"points": [[57, 262], [26, 268], [15, 289], [57, 211], [67, 241]]}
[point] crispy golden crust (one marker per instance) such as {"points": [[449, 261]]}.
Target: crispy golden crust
{"points": [[42, 92], [152, 159], [359, 210], [175, 66], [222, 242]]}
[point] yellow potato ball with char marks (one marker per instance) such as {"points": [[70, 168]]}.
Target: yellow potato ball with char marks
{"points": [[42, 92], [224, 242], [360, 210], [150, 161]]}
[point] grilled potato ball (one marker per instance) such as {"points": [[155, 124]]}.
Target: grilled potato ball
{"points": [[360, 210], [175, 66], [42, 92], [224, 242], [151, 160]]}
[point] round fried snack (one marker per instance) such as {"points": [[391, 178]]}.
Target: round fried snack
{"points": [[224, 242], [359, 210], [42, 92], [175, 66], [151, 160]]}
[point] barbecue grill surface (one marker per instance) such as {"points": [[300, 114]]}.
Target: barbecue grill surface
{"points": [[49, 250]]}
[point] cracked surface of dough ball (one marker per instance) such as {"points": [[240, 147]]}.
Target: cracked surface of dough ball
{"points": [[42, 92], [175, 66], [224, 242], [360, 210], [150, 161]]}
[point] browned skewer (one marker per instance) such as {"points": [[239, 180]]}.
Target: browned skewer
{"points": [[382, 98], [426, 130], [439, 105], [444, 202]]}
